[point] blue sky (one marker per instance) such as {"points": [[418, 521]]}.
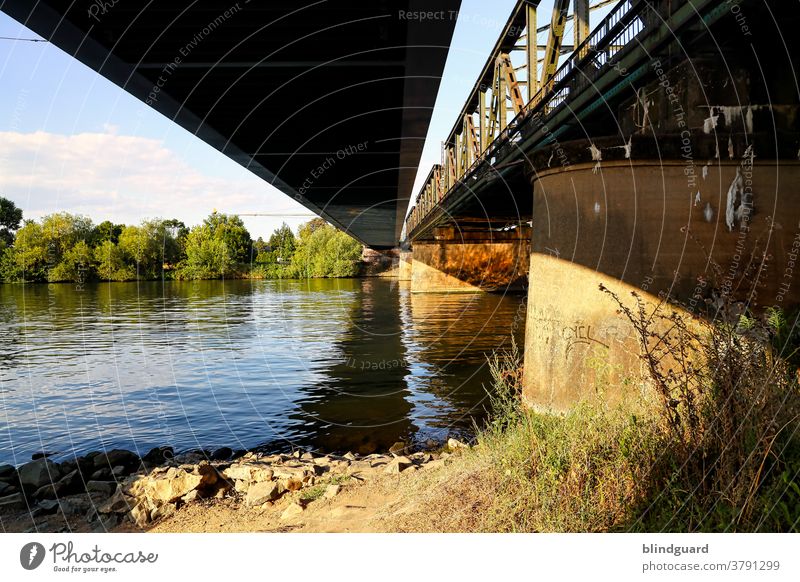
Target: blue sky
{"points": [[71, 140]]}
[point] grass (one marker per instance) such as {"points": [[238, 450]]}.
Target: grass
{"points": [[716, 450], [535, 472], [312, 493], [339, 479], [309, 494]]}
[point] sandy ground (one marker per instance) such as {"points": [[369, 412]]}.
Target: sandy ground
{"points": [[368, 500], [360, 506]]}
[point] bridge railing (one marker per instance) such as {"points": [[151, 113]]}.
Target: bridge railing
{"points": [[596, 54], [483, 127], [430, 195]]}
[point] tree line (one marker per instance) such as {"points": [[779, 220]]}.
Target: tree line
{"points": [[65, 247]]}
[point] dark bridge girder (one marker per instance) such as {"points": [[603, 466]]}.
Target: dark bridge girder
{"points": [[329, 101]]}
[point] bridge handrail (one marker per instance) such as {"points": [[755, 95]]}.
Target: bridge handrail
{"points": [[621, 24]]}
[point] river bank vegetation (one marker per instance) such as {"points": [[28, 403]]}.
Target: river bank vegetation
{"points": [[65, 247], [715, 448]]}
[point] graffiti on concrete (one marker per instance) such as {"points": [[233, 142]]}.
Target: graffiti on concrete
{"points": [[579, 334]]}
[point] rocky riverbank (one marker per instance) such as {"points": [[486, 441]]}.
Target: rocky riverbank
{"points": [[118, 490]]}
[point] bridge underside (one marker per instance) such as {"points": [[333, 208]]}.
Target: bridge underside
{"points": [[478, 243], [470, 257], [328, 101]]}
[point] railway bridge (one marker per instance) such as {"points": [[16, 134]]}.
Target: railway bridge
{"points": [[657, 155]]}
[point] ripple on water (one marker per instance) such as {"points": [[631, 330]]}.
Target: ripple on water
{"points": [[328, 364]]}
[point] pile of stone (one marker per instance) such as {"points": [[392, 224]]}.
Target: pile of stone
{"points": [[108, 487], [253, 480], [75, 486], [43, 479]]}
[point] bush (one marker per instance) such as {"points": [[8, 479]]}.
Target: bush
{"points": [[217, 248], [585, 470], [9, 267], [326, 252], [272, 270], [111, 263], [143, 246], [207, 255], [30, 256], [77, 264], [730, 408]]}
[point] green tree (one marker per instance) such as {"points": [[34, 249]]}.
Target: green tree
{"points": [[230, 229], [53, 250], [105, 231], [63, 230], [28, 260], [137, 246], [343, 254], [111, 264], [77, 264], [260, 246], [149, 246], [207, 255], [324, 251], [283, 243], [308, 228], [9, 269], [219, 247], [261, 252], [177, 228], [10, 219], [175, 233], [273, 259]]}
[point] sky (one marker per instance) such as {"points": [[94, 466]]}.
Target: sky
{"points": [[72, 141]]}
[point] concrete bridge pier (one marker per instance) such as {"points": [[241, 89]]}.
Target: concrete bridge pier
{"points": [[634, 228], [690, 208], [406, 262], [470, 258]]}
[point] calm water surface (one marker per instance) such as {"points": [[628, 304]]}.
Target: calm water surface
{"points": [[320, 364]]}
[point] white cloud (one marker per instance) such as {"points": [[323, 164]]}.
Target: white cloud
{"points": [[125, 179]]}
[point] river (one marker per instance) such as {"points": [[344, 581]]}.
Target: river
{"points": [[321, 364]]}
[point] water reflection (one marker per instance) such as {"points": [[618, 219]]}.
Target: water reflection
{"points": [[329, 364], [448, 338], [362, 404]]}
